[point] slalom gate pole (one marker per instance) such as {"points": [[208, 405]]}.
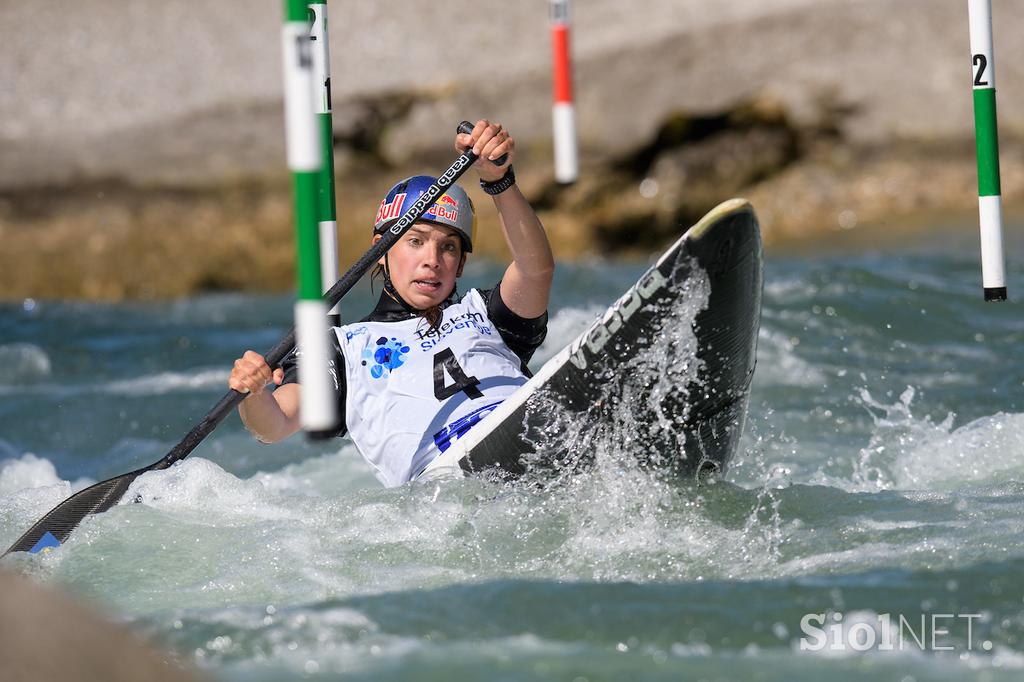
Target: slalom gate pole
{"points": [[563, 112], [318, 413], [993, 264], [326, 208]]}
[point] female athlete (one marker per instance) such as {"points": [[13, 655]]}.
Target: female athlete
{"points": [[426, 365]]}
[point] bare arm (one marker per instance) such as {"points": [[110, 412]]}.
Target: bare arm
{"points": [[526, 286], [268, 416]]}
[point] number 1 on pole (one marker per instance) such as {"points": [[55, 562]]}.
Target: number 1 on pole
{"points": [[990, 210], [318, 412], [326, 210]]}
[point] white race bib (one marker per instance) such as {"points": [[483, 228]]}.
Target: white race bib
{"points": [[412, 391]]}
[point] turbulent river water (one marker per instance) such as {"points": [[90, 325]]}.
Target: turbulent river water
{"points": [[870, 526]]}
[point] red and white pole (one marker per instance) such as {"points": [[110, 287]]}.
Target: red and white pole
{"points": [[563, 115]]}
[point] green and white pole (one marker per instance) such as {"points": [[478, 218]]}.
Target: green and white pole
{"points": [[993, 266], [318, 413], [326, 208]]}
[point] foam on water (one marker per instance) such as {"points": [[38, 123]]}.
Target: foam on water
{"points": [[779, 365], [26, 472], [328, 474], [914, 453], [564, 326], [888, 447], [614, 523], [608, 631], [190, 380], [200, 487], [23, 363], [167, 382], [202, 538], [880, 472]]}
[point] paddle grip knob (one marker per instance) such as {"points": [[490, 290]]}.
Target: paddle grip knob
{"points": [[467, 128]]}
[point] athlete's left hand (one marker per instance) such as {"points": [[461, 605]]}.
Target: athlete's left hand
{"points": [[489, 141]]}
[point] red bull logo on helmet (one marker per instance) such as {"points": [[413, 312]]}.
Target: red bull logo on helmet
{"points": [[446, 199], [390, 211], [446, 208]]}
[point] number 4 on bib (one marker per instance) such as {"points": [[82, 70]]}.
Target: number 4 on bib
{"points": [[445, 360]]}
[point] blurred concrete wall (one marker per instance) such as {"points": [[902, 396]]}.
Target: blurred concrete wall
{"points": [[189, 91]]}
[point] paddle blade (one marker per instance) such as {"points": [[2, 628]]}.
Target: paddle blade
{"points": [[56, 526]]}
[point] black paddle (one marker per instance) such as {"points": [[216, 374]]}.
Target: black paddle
{"points": [[56, 526]]}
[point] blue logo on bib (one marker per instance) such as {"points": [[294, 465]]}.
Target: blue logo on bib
{"points": [[461, 426], [386, 357]]}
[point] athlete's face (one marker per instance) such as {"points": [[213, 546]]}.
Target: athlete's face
{"points": [[425, 263]]}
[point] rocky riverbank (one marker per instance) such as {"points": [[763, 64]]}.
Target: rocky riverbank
{"points": [[830, 116], [111, 240]]}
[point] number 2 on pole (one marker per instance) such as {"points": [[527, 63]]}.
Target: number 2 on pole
{"points": [[981, 62], [443, 360]]}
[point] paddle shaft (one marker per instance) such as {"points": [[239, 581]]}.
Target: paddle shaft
{"points": [[276, 354]]}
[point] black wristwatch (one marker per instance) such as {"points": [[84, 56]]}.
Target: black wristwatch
{"points": [[500, 185]]}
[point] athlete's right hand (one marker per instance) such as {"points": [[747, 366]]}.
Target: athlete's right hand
{"points": [[251, 374]]}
